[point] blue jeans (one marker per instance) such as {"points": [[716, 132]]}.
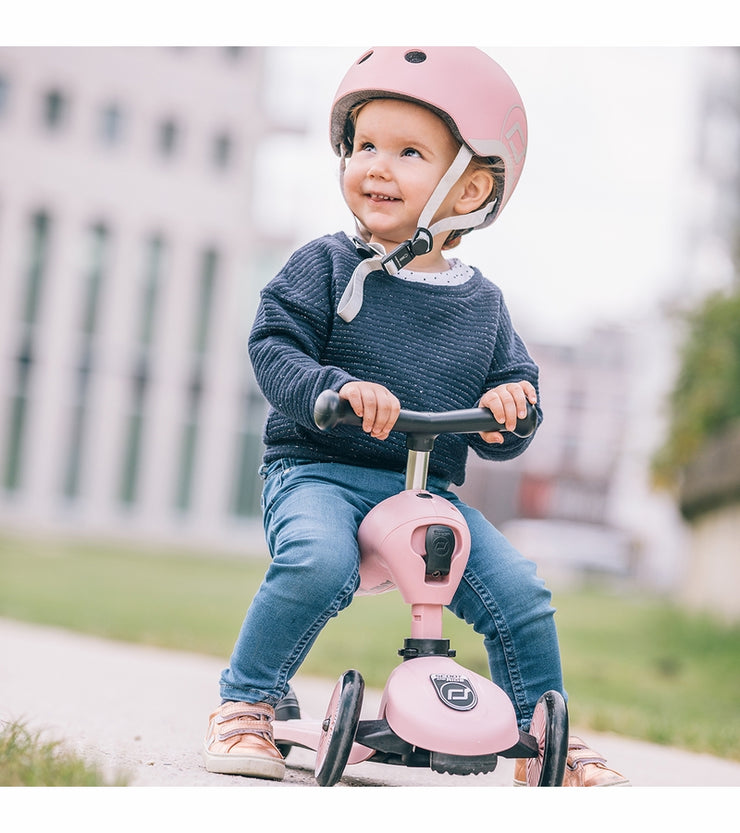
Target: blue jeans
{"points": [[311, 515]]}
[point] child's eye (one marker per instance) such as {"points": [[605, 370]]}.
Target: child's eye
{"points": [[366, 146], [411, 152]]}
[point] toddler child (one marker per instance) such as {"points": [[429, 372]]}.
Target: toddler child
{"points": [[432, 144]]}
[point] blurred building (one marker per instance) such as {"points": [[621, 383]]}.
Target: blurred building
{"points": [[713, 229], [556, 501], [580, 501], [710, 492], [130, 263], [140, 215]]}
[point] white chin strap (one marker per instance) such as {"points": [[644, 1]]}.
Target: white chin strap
{"points": [[351, 301]]}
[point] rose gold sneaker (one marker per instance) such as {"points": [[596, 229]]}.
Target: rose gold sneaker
{"points": [[240, 742], [584, 768]]}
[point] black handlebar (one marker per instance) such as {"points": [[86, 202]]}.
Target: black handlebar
{"points": [[330, 410]]}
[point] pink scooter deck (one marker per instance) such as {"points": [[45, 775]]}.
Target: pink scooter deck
{"points": [[434, 703]]}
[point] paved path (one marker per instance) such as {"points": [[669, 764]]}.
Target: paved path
{"points": [[143, 711]]}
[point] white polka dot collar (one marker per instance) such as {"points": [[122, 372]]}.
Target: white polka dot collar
{"points": [[457, 274]]}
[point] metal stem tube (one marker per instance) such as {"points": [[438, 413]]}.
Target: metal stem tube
{"points": [[417, 469]]}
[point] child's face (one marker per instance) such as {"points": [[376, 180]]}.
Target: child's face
{"points": [[400, 152]]}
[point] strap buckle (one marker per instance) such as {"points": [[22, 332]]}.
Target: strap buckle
{"points": [[420, 244]]}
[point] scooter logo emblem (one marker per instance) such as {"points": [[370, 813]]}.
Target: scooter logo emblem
{"points": [[455, 691]]}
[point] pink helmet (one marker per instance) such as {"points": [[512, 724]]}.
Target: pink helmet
{"points": [[463, 85]]}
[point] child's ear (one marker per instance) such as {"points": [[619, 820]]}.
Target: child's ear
{"points": [[478, 185]]}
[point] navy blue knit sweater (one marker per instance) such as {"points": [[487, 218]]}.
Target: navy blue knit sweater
{"points": [[436, 348]]}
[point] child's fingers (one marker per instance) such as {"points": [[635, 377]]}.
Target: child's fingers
{"points": [[386, 413], [523, 393], [503, 405], [507, 403], [492, 437], [529, 392], [353, 394], [377, 406]]}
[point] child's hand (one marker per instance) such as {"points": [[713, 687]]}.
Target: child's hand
{"points": [[377, 406], [507, 403]]}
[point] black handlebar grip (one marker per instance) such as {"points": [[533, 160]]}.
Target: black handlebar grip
{"points": [[330, 410]]}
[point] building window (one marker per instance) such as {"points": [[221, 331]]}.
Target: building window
{"points": [[55, 109], [38, 254], [19, 400], [4, 93], [18, 417], [222, 150], [194, 396], [247, 485], [73, 467], [153, 273], [154, 267], [206, 291], [134, 435], [189, 441], [236, 53], [168, 138], [111, 124], [98, 241]]}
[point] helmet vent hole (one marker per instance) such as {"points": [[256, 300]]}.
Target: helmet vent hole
{"points": [[365, 57], [415, 57]]}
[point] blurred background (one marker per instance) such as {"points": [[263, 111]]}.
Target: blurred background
{"points": [[148, 193]]}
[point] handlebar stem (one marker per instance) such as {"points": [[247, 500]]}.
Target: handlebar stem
{"points": [[417, 469]]}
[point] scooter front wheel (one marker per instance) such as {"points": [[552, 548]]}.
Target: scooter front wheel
{"points": [[550, 727], [339, 728]]}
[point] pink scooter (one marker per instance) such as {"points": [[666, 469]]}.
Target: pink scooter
{"points": [[433, 713]]}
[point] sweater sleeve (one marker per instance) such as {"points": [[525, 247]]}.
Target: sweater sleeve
{"points": [[511, 363], [290, 331]]}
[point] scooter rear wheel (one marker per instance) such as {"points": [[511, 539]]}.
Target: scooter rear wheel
{"points": [[339, 728], [550, 727]]}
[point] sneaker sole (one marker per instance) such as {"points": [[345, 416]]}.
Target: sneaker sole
{"points": [[256, 767], [625, 783]]}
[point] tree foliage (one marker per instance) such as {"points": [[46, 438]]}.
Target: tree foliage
{"points": [[706, 396]]}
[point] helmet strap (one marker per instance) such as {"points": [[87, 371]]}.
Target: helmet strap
{"points": [[351, 301], [454, 172], [458, 221], [421, 243], [464, 221], [423, 240]]}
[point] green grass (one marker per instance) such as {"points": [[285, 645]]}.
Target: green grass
{"points": [[634, 665], [26, 760]]}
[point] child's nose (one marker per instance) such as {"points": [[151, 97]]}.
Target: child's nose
{"points": [[379, 167]]}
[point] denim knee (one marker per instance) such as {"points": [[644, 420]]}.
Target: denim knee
{"points": [[312, 536]]}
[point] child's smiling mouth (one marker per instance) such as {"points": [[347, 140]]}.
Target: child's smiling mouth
{"points": [[381, 197]]}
